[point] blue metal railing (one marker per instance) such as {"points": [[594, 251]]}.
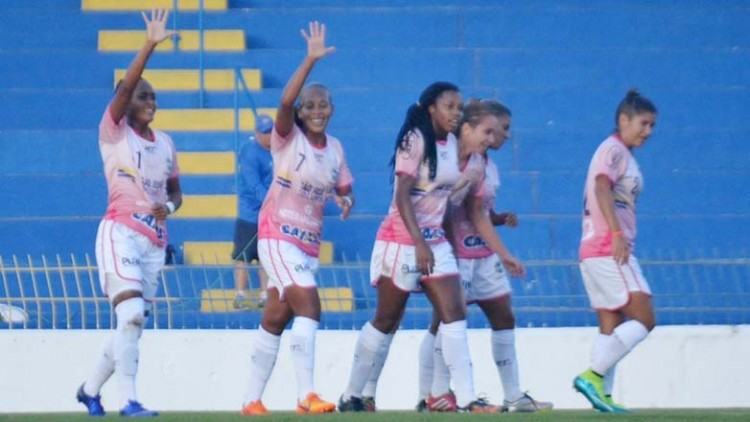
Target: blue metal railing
{"points": [[201, 46]]}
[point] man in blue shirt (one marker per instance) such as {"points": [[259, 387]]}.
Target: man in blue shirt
{"points": [[255, 168]]}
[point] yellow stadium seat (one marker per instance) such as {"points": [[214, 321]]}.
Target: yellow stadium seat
{"points": [[189, 79], [137, 5], [209, 163], [332, 299], [207, 206], [207, 253], [213, 40], [206, 120]]}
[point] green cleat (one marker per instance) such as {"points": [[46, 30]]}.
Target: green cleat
{"points": [[591, 385], [616, 407]]}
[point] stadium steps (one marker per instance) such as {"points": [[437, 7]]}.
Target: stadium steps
{"points": [[224, 40], [138, 5], [206, 163], [189, 79], [219, 253], [207, 119]]}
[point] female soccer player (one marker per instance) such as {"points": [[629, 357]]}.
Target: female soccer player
{"points": [[411, 251], [142, 175], [482, 258], [611, 274], [309, 166]]}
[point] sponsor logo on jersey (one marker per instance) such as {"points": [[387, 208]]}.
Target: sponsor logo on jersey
{"points": [[303, 235], [151, 222], [432, 233], [473, 241]]}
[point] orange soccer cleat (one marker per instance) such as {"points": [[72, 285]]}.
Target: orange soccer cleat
{"points": [[314, 404], [254, 408]]}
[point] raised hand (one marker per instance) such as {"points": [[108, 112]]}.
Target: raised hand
{"points": [[156, 27], [316, 41]]}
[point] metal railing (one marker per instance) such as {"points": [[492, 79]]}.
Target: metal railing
{"points": [[63, 292]]}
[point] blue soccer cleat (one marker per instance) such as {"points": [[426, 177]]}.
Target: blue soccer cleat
{"points": [[591, 386], [136, 410], [616, 407], [93, 404]]}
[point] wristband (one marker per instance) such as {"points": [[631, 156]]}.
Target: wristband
{"points": [[617, 233], [348, 200], [170, 206]]}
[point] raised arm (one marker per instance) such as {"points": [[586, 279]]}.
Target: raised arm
{"points": [[156, 32], [316, 50]]}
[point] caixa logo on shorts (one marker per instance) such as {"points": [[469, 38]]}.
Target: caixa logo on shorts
{"points": [[151, 222], [432, 233], [473, 241], [304, 235]]}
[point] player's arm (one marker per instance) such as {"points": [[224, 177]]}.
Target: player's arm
{"points": [[404, 185], [448, 227], [156, 32], [316, 50], [481, 220], [345, 200], [606, 201], [509, 219], [174, 200]]}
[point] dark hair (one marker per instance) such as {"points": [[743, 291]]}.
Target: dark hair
{"points": [[418, 117], [306, 88], [497, 108], [633, 103]]}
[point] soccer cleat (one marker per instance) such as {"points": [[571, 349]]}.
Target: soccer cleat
{"points": [[421, 406], [616, 407], [480, 405], [254, 408], [526, 404], [369, 404], [314, 404], [591, 385], [353, 404], [93, 403], [442, 403], [136, 410]]}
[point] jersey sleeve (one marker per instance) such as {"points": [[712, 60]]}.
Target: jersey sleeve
{"points": [[611, 161], [109, 130], [279, 142], [409, 155]]}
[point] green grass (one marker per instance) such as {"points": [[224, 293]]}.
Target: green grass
{"points": [[556, 416]]}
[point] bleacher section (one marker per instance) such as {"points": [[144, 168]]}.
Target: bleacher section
{"points": [[561, 67]]}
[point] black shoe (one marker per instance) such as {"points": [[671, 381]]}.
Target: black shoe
{"points": [[368, 403], [354, 404], [421, 406]]}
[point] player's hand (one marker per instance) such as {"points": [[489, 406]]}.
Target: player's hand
{"points": [[514, 266], [156, 27], [316, 41], [160, 211], [425, 259], [509, 219], [345, 202], [620, 249]]}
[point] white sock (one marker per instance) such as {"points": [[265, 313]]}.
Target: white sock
{"points": [[369, 343], [426, 352], [456, 353], [262, 360], [609, 380], [105, 367], [608, 351], [371, 387], [130, 320], [302, 345], [441, 376], [504, 353]]}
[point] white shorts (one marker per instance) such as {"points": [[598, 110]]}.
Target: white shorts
{"points": [[127, 260], [398, 262], [286, 264], [609, 284], [483, 278]]}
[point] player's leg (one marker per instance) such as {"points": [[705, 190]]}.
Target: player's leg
{"points": [[243, 236], [370, 390], [426, 363]]}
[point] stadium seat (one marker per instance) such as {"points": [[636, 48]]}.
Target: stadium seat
{"points": [[206, 119], [137, 5], [189, 79], [213, 40], [206, 163]]}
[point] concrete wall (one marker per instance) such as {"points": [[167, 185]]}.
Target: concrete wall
{"points": [[676, 367]]}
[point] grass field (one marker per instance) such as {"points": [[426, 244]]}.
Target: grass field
{"points": [[557, 416]]}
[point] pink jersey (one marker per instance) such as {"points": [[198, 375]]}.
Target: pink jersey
{"points": [[614, 160], [468, 243], [136, 171], [429, 198], [305, 176]]}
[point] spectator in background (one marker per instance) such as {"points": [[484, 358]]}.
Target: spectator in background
{"points": [[616, 287], [255, 167], [140, 167]]}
